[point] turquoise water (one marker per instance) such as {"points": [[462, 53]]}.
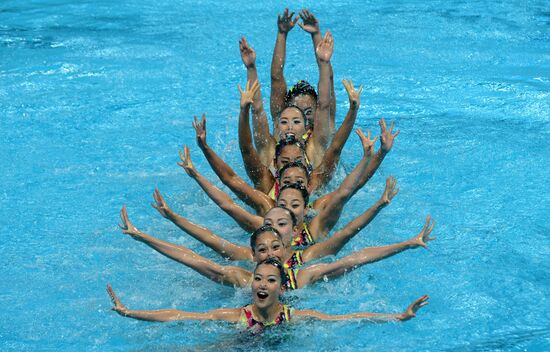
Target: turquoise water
{"points": [[97, 97]]}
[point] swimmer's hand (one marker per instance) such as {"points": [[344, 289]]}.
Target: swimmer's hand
{"points": [[160, 205], [309, 23], [386, 137], [285, 22], [353, 95], [368, 144], [127, 227], [423, 238], [247, 96], [118, 306], [325, 48], [390, 191], [411, 310], [248, 55], [186, 163], [200, 130]]}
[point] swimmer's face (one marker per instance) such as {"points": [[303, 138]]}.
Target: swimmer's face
{"points": [[294, 175], [292, 199], [268, 245], [281, 221], [292, 121], [308, 105], [290, 153], [266, 286]]}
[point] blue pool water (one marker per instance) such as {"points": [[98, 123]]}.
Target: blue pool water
{"points": [[97, 97]]}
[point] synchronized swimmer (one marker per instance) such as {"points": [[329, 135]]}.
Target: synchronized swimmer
{"points": [[287, 167]]}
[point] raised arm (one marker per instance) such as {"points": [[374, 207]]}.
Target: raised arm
{"points": [[337, 241], [365, 256], [247, 221], [262, 138], [409, 313], [323, 173], [222, 246], [226, 275], [321, 119], [257, 171], [278, 84], [226, 314], [310, 24], [331, 210], [258, 200]]}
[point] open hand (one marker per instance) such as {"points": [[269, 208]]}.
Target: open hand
{"points": [[127, 227], [353, 95], [411, 310], [186, 163], [309, 22], [285, 22], [368, 144], [386, 137], [423, 236], [247, 96], [118, 306], [325, 48], [200, 130], [389, 191], [248, 55], [160, 204]]}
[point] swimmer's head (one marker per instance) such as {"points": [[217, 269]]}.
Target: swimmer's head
{"points": [[267, 242], [295, 197], [284, 221], [268, 283], [291, 120], [304, 96], [288, 150], [294, 172]]}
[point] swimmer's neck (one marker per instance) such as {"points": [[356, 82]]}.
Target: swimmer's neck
{"points": [[267, 314]]}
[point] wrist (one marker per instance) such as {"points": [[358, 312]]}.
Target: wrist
{"points": [[251, 66]]}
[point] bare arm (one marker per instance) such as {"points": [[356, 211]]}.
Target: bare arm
{"points": [[337, 241], [409, 313], [365, 256], [247, 221], [278, 84], [310, 24], [263, 140], [258, 200], [222, 246], [226, 275], [323, 173], [257, 171], [226, 314]]}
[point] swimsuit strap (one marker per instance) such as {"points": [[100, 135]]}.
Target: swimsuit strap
{"points": [[291, 282]]}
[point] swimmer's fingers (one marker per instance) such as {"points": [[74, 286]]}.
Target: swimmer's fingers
{"points": [[118, 306], [360, 90], [382, 124], [240, 89], [346, 85]]}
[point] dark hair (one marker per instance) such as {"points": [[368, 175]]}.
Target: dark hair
{"points": [[259, 231], [288, 140], [274, 262], [301, 87], [299, 187], [291, 165], [292, 216]]}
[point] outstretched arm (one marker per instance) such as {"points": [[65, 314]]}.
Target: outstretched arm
{"points": [[310, 24], [262, 139], [321, 120], [257, 171], [258, 200], [227, 314], [337, 241], [323, 173], [226, 275], [247, 221], [332, 209], [222, 246], [365, 256], [409, 313], [278, 84]]}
